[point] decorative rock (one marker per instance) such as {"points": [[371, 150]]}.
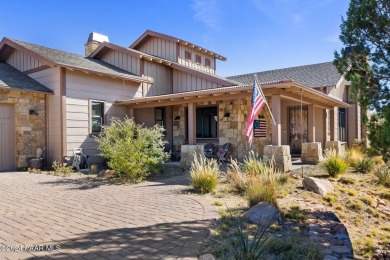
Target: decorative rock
{"points": [[341, 249], [263, 213], [317, 185], [207, 257]]}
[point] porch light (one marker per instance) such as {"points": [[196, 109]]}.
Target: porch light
{"points": [[177, 118]]}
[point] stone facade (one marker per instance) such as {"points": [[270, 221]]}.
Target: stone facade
{"points": [[188, 152], [230, 129], [281, 155], [29, 129], [312, 153], [339, 146]]}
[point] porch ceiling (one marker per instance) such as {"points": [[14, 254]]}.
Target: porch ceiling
{"points": [[287, 89]]}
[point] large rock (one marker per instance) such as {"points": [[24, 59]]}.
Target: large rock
{"points": [[262, 214], [317, 185]]}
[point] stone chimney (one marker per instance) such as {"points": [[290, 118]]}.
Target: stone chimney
{"points": [[94, 40]]}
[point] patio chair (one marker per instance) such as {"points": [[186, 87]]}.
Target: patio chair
{"points": [[209, 150], [80, 161], [223, 151]]}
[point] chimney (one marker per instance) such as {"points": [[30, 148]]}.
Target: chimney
{"points": [[94, 40]]}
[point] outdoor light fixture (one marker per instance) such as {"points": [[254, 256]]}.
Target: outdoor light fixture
{"points": [[226, 115], [177, 118]]}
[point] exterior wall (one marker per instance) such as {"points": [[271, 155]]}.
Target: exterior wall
{"points": [[81, 88], [230, 130], [320, 125], [192, 63], [29, 129], [123, 61], [186, 82], [51, 79], [23, 62], [161, 76], [160, 47], [352, 124]]}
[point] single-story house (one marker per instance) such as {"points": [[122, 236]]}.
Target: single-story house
{"points": [[58, 101]]}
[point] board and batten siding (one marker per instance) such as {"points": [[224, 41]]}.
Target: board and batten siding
{"points": [[183, 81], [51, 79], [80, 90], [161, 75], [123, 61], [160, 47], [192, 63], [22, 61]]}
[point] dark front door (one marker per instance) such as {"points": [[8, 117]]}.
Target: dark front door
{"points": [[297, 128]]}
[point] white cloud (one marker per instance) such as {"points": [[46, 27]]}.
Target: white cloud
{"points": [[207, 12]]}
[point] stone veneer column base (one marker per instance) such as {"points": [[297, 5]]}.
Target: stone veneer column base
{"points": [[312, 153], [281, 155], [337, 145], [188, 151]]}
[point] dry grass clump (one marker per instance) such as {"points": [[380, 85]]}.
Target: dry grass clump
{"points": [[204, 174], [334, 163], [353, 155], [383, 175]]}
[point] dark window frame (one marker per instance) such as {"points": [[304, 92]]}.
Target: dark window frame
{"points": [[342, 118], [187, 55], [207, 62], [102, 116], [161, 121], [217, 123], [198, 59]]}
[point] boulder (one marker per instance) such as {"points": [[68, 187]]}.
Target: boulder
{"points": [[317, 185], [263, 214], [206, 257]]}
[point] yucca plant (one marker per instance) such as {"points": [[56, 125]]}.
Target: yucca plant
{"points": [[364, 165], [204, 174]]}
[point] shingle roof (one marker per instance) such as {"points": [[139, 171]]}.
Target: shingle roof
{"points": [[315, 75], [77, 61], [15, 79]]}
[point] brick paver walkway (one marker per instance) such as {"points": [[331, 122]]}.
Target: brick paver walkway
{"points": [[88, 220]]}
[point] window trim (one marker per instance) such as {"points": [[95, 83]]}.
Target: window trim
{"points": [[217, 130], [90, 101]]}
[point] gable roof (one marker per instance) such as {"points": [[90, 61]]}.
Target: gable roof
{"points": [[146, 35], [138, 54], [56, 57], [11, 78], [315, 75]]}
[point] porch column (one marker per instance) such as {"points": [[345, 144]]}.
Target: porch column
{"points": [[311, 137], [327, 124], [191, 123], [334, 124], [276, 128]]}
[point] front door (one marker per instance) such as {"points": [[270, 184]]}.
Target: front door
{"points": [[7, 138], [297, 128]]}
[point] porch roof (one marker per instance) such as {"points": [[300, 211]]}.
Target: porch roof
{"points": [[288, 89]]}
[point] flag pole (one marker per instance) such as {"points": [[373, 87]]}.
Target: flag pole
{"points": [[265, 100]]}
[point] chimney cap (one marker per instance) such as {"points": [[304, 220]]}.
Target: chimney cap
{"points": [[93, 36]]}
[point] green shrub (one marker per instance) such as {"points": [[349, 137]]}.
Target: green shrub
{"points": [[295, 213], [261, 190], [204, 174], [253, 164], [354, 205], [364, 165], [133, 151], [236, 177], [367, 200], [383, 174], [294, 247], [61, 170], [334, 164], [331, 199]]}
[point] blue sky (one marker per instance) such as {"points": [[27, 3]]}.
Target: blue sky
{"points": [[254, 35]]}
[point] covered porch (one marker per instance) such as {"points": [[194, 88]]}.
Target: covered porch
{"points": [[306, 120]]}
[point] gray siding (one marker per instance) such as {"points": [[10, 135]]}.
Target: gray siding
{"points": [[123, 61], [161, 75], [160, 47], [186, 82], [23, 62]]}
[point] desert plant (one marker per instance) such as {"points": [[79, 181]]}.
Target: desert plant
{"points": [[61, 170], [253, 164], [363, 165], [295, 247], [383, 175], [204, 174], [334, 164], [261, 189], [345, 180], [133, 151], [236, 176]]}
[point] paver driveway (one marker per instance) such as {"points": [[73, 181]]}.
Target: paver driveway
{"points": [[153, 220]]}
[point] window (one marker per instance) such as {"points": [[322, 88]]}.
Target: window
{"points": [[97, 116], [207, 62], [206, 122], [159, 116], [198, 59], [187, 55], [342, 125]]}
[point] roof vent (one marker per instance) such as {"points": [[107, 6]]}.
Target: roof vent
{"points": [[94, 40]]}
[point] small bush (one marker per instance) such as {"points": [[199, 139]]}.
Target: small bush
{"points": [[383, 175], [352, 192], [60, 170], [335, 166], [133, 151], [331, 199], [354, 205], [261, 190], [283, 179], [236, 177], [384, 195], [364, 165], [253, 164], [345, 180], [204, 174], [295, 213], [353, 155], [367, 200], [295, 247]]}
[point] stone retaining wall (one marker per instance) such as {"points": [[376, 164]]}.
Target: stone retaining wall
{"points": [[29, 129], [281, 155]]}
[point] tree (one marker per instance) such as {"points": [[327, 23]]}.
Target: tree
{"points": [[365, 62], [365, 57]]}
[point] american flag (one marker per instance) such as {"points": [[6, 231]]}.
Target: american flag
{"points": [[258, 101]]}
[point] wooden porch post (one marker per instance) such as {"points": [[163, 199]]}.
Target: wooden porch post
{"points": [[276, 128], [311, 137], [334, 124], [191, 123], [327, 124]]}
